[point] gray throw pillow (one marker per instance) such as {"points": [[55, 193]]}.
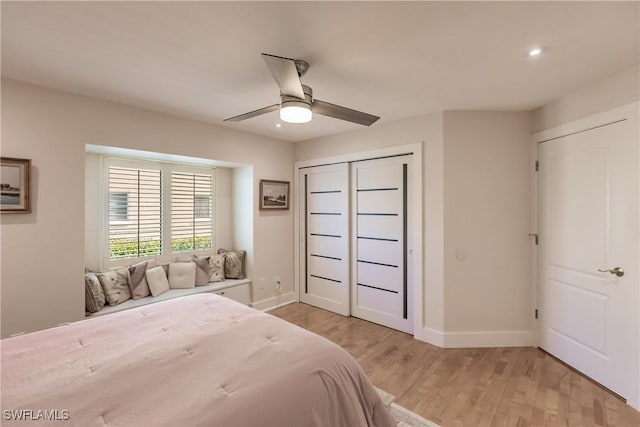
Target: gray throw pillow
{"points": [[116, 285], [202, 270], [93, 293], [233, 264]]}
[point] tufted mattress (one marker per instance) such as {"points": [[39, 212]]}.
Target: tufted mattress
{"points": [[198, 360]]}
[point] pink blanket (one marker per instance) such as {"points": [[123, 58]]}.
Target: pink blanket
{"points": [[197, 360]]}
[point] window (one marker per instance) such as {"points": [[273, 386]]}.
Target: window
{"points": [[190, 204], [135, 212], [157, 209]]}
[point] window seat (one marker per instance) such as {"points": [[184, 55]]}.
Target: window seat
{"points": [[231, 288]]}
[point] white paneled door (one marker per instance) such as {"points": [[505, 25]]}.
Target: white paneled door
{"points": [[324, 281], [380, 242], [588, 225]]}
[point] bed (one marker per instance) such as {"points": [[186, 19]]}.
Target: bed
{"points": [[196, 360]]}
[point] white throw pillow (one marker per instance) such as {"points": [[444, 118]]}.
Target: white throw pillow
{"points": [[157, 280], [182, 275]]}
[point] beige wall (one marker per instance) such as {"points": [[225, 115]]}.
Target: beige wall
{"points": [[43, 252], [486, 222], [613, 91]]}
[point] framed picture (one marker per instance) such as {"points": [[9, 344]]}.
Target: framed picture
{"points": [[274, 194], [14, 185]]}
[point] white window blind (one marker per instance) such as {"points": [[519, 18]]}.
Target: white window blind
{"points": [[191, 211], [135, 212]]}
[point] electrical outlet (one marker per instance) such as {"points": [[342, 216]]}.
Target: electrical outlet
{"points": [[278, 283], [261, 283]]}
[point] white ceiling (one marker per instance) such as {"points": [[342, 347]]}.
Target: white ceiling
{"points": [[394, 59]]}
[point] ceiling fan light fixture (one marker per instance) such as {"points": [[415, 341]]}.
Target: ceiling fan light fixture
{"points": [[295, 112]]}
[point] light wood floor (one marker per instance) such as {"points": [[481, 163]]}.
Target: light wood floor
{"points": [[468, 387]]}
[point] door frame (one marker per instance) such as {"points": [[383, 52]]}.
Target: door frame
{"points": [[626, 112], [416, 194]]}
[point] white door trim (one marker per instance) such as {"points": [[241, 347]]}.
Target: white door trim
{"points": [[601, 119], [417, 195], [625, 112]]}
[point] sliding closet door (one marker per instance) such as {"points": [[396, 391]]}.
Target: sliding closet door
{"points": [[325, 227], [380, 230]]}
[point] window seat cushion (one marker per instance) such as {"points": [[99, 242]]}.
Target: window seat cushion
{"points": [[171, 293]]}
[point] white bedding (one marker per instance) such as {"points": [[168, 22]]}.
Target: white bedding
{"points": [[196, 360]]}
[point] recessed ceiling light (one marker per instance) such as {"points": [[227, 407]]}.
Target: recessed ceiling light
{"points": [[278, 125], [535, 51]]}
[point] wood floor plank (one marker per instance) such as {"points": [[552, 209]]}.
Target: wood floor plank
{"points": [[527, 385], [479, 387]]}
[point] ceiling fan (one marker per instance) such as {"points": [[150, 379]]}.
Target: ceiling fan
{"points": [[296, 99]]}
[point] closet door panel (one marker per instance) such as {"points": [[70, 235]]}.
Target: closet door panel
{"points": [[377, 176], [379, 251], [379, 227], [327, 246], [384, 202], [322, 202], [379, 276], [326, 225], [327, 268], [325, 179], [323, 289], [374, 301]]}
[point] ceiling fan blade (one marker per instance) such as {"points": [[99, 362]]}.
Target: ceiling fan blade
{"points": [[343, 113], [254, 113], [286, 75]]}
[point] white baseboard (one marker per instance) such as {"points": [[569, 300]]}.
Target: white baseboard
{"points": [[488, 339], [274, 302], [431, 336], [475, 339]]}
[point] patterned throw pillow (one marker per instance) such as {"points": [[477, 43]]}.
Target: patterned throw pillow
{"points": [[233, 264], [202, 270], [116, 285], [138, 281], [216, 268], [93, 293]]}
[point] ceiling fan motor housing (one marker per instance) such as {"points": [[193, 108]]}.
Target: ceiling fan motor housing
{"points": [[308, 97], [294, 109]]}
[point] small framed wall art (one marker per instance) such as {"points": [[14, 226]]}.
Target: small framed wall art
{"points": [[14, 185], [274, 195]]}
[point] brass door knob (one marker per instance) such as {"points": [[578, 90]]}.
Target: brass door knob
{"points": [[616, 270]]}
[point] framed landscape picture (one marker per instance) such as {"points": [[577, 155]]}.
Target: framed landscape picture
{"points": [[14, 185], [274, 194]]}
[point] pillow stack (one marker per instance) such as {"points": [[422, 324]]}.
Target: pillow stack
{"points": [[147, 278]]}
